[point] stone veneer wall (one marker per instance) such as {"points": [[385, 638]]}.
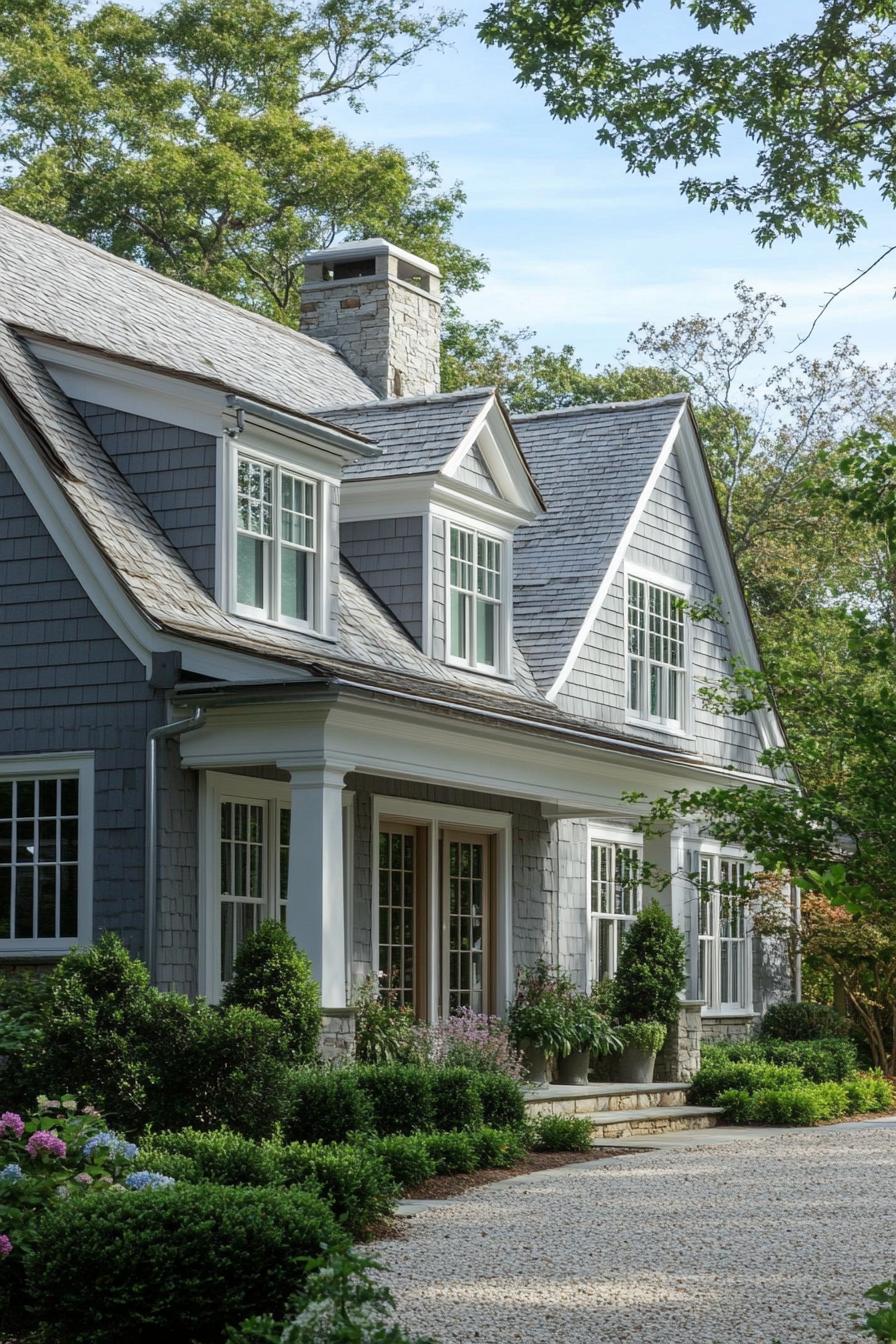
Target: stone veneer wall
{"points": [[727, 1029], [679, 1059], [387, 330]]}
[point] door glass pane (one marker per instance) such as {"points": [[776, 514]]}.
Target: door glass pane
{"points": [[397, 890], [466, 925], [242, 877]]}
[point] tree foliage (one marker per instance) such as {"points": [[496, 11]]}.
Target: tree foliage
{"points": [[816, 104], [189, 139]]}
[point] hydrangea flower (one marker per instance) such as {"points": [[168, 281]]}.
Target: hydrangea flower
{"points": [[114, 1145], [11, 1172], [84, 1178], [147, 1180], [5, 1245], [13, 1124], [45, 1141]]}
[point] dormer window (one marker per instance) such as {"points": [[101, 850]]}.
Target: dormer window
{"points": [[475, 606], [656, 655], [276, 524]]}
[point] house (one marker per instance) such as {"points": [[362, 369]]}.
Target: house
{"points": [[287, 632]]}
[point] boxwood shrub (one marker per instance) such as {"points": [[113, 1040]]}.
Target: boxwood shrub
{"points": [[452, 1152], [271, 975], [803, 1022], [326, 1106], [180, 1263], [830, 1060], [456, 1099], [354, 1181], [401, 1096], [498, 1147], [869, 1092], [562, 1134], [806, 1103], [406, 1157], [220, 1157], [502, 1101], [747, 1075]]}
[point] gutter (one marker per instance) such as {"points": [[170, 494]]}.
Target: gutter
{"points": [[343, 439], [151, 878]]}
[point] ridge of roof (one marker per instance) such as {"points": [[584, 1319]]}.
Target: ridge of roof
{"points": [[402, 403], [161, 279], [670, 399]]}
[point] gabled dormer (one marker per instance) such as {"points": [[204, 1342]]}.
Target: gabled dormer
{"points": [[429, 525]]}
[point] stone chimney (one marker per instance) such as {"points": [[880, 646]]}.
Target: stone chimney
{"points": [[380, 307]]}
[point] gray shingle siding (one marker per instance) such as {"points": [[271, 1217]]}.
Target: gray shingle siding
{"points": [[666, 542], [67, 683], [173, 471], [439, 598], [388, 554], [474, 471]]}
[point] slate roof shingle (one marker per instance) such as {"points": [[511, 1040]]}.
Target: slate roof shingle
{"points": [[64, 288], [591, 464], [417, 434]]}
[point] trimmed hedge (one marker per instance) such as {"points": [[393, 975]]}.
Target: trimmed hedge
{"points": [[747, 1076], [806, 1103], [406, 1157], [352, 1179], [452, 1152], [831, 1060], [456, 1099], [400, 1095], [326, 1106], [179, 1263], [498, 1147], [562, 1134], [803, 1022], [502, 1101]]}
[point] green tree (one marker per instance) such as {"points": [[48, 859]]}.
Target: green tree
{"points": [[816, 104], [189, 139]]}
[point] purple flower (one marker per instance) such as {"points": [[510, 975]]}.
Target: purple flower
{"points": [[13, 1124], [5, 1245], [44, 1141], [84, 1178]]}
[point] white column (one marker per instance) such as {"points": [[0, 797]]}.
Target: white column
{"points": [[315, 907]]}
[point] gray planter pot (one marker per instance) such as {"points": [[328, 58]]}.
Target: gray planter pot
{"points": [[535, 1062], [572, 1069], [634, 1065]]}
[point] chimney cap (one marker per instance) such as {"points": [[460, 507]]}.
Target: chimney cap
{"points": [[369, 247]]}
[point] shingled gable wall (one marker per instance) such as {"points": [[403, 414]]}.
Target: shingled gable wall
{"points": [[388, 553], [67, 683], [666, 541]]}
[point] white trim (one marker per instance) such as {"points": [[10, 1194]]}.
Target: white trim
{"points": [[618, 556], [214, 788], [43, 766], [436, 817], [659, 579], [615, 835], [504, 665], [428, 560], [407, 496], [450, 466], [716, 854]]}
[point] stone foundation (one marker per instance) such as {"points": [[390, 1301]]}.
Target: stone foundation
{"points": [[679, 1059], [337, 1035], [717, 1029]]}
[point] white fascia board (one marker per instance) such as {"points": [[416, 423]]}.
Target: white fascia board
{"points": [[95, 575], [402, 742], [135, 391], [412, 496], [502, 457], [699, 490], [618, 557]]}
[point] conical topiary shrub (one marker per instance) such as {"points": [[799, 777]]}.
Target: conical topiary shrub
{"points": [[651, 969], [272, 975]]}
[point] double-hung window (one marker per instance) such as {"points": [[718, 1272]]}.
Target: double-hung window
{"points": [[475, 615], [722, 934], [656, 654], [277, 530], [46, 845], [615, 900]]}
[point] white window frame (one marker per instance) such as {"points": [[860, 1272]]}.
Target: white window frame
{"points": [[280, 462], [434, 818], [79, 765], [615, 839], [708, 863], [217, 787], [641, 717], [503, 632]]}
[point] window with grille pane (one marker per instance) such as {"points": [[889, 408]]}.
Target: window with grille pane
{"points": [[722, 934], [276, 542], [655, 653], [615, 901], [475, 598], [39, 821], [397, 911]]}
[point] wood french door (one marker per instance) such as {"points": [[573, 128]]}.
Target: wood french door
{"points": [[467, 917], [402, 913]]}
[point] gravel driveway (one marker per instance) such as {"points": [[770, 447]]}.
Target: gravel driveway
{"points": [[762, 1240]]}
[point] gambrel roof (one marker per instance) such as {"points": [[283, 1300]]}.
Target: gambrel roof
{"points": [[593, 464], [56, 286]]}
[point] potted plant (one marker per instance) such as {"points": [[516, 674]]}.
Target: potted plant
{"points": [[649, 978], [588, 1030], [539, 1017], [641, 1043]]}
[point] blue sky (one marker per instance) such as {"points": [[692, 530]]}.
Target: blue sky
{"points": [[582, 251]]}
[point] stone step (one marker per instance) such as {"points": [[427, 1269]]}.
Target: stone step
{"points": [[586, 1099], [651, 1120]]}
